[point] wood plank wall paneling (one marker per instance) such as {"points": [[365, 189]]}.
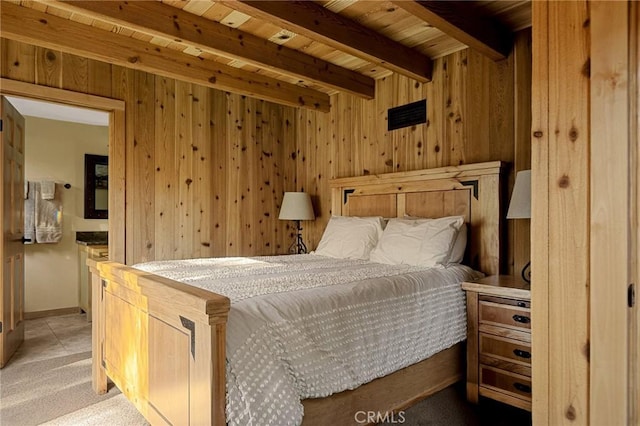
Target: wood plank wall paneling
{"points": [[220, 152], [568, 209], [474, 114], [48, 68], [184, 169], [179, 205], [540, 212], [75, 73], [520, 230], [560, 187], [165, 185]]}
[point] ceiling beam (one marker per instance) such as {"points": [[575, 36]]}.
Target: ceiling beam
{"points": [[41, 29], [165, 21], [463, 21], [313, 21]]}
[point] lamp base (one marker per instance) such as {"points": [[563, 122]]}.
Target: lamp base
{"points": [[526, 272], [298, 246]]}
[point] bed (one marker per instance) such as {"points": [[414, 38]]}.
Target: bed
{"points": [[164, 343]]}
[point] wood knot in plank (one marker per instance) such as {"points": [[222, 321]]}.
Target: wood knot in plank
{"points": [[573, 134], [189, 181], [571, 413], [586, 350], [133, 59], [51, 56], [538, 134], [586, 68], [563, 182]]}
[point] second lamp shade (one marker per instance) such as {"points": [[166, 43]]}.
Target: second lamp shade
{"points": [[296, 206]]}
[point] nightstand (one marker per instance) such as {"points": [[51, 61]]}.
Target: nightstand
{"points": [[499, 340]]}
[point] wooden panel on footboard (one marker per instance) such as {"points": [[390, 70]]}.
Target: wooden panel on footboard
{"points": [[163, 344]]}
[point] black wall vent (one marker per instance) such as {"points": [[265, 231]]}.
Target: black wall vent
{"points": [[407, 115]]}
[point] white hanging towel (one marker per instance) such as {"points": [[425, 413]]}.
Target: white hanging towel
{"points": [[30, 213], [48, 189], [48, 217]]}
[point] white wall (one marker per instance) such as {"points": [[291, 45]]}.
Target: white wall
{"points": [[55, 151]]}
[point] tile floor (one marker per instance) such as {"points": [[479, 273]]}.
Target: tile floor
{"points": [[54, 336]]}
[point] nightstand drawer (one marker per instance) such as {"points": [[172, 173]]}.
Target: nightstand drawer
{"points": [[514, 317], [504, 381], [505, 349]]}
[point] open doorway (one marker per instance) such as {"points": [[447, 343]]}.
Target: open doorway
{"points": [[116, 150], [59, 141]]}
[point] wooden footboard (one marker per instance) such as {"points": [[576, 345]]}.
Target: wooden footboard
{"points": [[161, 342]]}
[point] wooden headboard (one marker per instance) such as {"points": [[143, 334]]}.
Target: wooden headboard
{"points": [[470, 190]]}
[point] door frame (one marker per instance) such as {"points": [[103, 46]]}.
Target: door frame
{"points": [[613, 397], [116, 110]]}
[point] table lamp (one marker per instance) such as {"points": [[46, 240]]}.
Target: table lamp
{"points": [[520, 207], [297, 206]]}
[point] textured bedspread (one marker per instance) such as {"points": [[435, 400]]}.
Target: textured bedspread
{"points": [[306, 326]]}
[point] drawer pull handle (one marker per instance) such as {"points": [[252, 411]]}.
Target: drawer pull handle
{"points": [[522, 319], [522, 304], [522, 388], [522, 354]]}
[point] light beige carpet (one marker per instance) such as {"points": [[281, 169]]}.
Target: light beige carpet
{"points": [[58, 391], [113, 411], [48, 380]]}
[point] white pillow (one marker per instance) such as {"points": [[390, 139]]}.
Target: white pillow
{"points": [[400, 242], [350, 237], [457, 252], [459, 246], [419, 242]]}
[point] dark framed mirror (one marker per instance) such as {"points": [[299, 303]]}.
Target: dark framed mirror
{"points": [[96, 186]]}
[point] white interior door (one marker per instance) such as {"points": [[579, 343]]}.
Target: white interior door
{"points": [[11, 216]]}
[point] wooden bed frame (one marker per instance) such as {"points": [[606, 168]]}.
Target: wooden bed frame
{"points": [[163, 342]]}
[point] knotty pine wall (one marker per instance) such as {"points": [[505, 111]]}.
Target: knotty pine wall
{"points": [[477, 110], [206, 170]]}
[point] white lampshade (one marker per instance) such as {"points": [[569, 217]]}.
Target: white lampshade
{"points": [[296, 206], [520, 205]]}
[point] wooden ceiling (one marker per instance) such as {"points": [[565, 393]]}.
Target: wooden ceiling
{"points": [[290, 52]]}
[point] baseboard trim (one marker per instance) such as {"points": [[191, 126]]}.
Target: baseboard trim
{"points": [[51, 313]]}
